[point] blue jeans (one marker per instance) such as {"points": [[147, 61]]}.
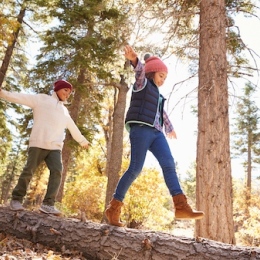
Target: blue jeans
{"points": [[142, 139]]}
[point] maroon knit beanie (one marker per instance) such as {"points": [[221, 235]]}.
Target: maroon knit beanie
{"points": [[155, 64], [59, 84]]}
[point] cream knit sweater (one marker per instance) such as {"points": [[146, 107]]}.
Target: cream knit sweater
{"points": [[50, 119]]}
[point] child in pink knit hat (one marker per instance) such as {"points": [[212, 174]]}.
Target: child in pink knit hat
{"points": [[145, 120]]}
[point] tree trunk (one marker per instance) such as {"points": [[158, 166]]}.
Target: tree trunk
{"points": [[10, 173], [115, 157], [214, 182], [248, 174], [101, 241], [7, 183], [66, 155], [10, 47], [249, 168], [66, 151]]}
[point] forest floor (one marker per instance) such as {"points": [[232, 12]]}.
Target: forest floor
{"points": [[12, 248]]}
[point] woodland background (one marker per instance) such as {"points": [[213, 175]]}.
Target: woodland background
{"points": [[82, 42]]}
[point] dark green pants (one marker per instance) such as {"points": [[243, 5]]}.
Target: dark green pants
{"points": [[53, 161]]}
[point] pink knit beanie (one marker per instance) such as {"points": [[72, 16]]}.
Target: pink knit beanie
{"points": [[155, 64], [59, 84]]}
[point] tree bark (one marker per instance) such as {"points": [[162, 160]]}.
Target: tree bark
{"points": [[214, 182], [116, 152], [249, 169], [101, 241], [67, 150], [10, 47]]}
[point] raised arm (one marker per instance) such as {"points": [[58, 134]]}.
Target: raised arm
{"points": [[131, 55]]}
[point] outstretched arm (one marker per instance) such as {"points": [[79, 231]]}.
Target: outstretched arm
{"points": [[130, 54], [19, 98], [76, 134]]}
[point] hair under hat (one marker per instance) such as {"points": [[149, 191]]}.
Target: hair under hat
{"points": [[155, 64], [60, 84]]}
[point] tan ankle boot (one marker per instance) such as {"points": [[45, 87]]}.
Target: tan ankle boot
{"points": [[113, 212], [183, 209]]}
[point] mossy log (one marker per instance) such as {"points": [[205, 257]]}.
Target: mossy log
{"points": [[102, 241]]}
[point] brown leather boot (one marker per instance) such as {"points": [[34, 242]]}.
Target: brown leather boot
{"points": [[113, 212], [183, 209]]}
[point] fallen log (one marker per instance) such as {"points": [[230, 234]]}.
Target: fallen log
{"points": [[101, 241]]}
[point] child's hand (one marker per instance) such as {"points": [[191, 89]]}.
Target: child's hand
{"points": [[172, 135], [130, 54], [86, 146]]}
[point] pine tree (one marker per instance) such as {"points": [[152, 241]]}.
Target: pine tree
{"points": [[214, 183], [246, 134], [81, 47]]}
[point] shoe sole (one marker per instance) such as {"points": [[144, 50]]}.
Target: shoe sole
{"points": [[16, 209], [190, 218], [49, 213]]}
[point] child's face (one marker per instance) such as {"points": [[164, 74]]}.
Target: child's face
{"points": [[159, 78], [63, 94]]}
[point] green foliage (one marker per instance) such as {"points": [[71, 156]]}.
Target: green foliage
{"points": [[148, 203], [189, 183], [11, 169], [81, 46], [5, 137], [88, 197], [246, 133], [85, 189], [83, 36], [240, 5], [38, 187]]}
